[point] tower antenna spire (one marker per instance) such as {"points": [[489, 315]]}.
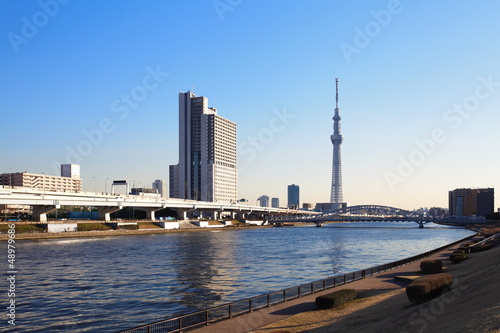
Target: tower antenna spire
{"points": [[337, 93]]}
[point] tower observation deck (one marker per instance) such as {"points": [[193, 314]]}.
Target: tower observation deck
{"points": [[336, 193]]}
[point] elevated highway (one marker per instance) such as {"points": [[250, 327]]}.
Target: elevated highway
{"points": [[44, 202]]}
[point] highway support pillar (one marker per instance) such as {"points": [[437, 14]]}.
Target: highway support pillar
{"points": [[104, 213], [150, 212], [182, 213], [40, 212]]}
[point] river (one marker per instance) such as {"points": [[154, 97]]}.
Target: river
{"points": [[106, 284]]}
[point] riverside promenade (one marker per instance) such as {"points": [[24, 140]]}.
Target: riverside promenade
{"points": [[473, 304]]}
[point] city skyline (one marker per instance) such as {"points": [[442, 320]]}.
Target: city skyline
{"points": [[97, 85]]}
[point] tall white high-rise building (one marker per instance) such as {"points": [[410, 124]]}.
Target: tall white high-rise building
{"points": [[336, 194], [207, 153]]}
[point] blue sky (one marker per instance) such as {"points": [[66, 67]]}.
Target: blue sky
{"points": [[419, 91]]}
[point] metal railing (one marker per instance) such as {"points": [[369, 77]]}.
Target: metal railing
{"points": [[230, 310]]}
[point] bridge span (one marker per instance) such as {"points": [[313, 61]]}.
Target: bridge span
{"points": [[376, 213], [44, 202]]}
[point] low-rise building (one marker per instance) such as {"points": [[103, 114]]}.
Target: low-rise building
{"points": [[145, 192], [308, 206], [70, 180]]}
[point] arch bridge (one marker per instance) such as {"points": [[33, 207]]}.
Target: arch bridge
{"points": [[374, 213]]}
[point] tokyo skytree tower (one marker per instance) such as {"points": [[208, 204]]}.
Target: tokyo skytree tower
{"points": [[336, 194]]}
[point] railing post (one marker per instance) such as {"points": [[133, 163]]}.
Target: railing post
{"points": [[230, 311], [334, 282], [344, 278], [363, 274], [268, 300], [149, 328], [250, 304], [299, 291], [284, 295], [180, 323], [324, 284], [206, 317]]}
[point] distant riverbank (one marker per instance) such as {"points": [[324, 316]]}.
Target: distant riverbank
{"points": [[123, 232]]}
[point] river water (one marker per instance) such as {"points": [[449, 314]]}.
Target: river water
{"points": [[107, 284]]}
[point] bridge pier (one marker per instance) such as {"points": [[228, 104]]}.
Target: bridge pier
{"points": [[40, 212], [150, 212], [104, 213], [182, 213], [214, 214]]}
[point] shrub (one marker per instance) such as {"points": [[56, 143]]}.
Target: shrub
{"points": [[482, 247], [464, 249], [431, 266], [458, 257], [336, 298], [428, 287]]}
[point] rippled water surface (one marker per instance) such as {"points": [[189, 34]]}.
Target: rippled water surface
{"points": [[113, 283]]}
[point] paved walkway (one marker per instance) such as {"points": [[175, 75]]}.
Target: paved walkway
{"points": [[369, 286]]}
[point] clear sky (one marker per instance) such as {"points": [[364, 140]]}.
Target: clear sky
{"points": [[97, 83]]}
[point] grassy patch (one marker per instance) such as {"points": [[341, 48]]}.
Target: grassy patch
{"points": [[22, 228], [128, 227], [93, 226]]}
